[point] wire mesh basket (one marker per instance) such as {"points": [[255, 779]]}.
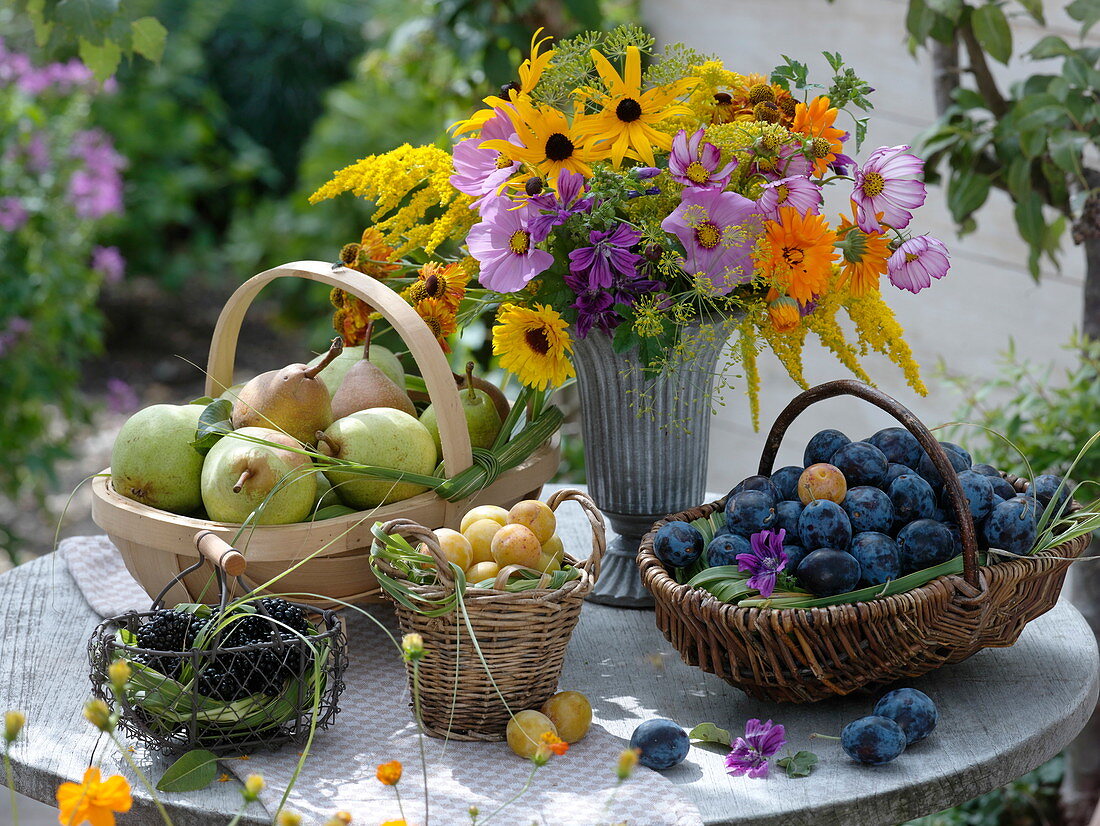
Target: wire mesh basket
{"points": [[247, 674]]}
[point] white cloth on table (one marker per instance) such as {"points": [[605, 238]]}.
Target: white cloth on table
{"points": [[375, 725]]}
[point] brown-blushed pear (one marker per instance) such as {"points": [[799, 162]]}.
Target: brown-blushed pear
{"points": [[153, 462], [366, 386], [382, 358], [240, 475]]}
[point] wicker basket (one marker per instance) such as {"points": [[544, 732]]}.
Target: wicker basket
{"points": [[156, 545], [807, 655], [522, 637]]}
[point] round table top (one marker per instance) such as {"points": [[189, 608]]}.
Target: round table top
{"points": [[987, 736]]}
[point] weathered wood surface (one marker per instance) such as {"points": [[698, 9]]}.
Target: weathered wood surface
{"points": [[1003, 713]]}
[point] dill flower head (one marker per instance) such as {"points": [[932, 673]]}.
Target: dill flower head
{"points": [[534, 344]]}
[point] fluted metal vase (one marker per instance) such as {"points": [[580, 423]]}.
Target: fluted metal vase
{"points": [[646, 435]]}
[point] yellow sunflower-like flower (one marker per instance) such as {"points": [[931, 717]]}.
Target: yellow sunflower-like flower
{"points": [[797, 254], [532, 68], [94, 800], [446, 282], [547, 140], [534, 344], [624, 124], [815, 121], [440, 318]]}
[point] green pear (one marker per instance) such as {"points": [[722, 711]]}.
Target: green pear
{"points": [[482, 419], [240, 475], [382, 437], [231, 393], [380, 357], [153, 462], [325, 494]]}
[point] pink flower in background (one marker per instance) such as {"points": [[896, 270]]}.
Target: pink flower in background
{"points": [[108, 261], [797, 191], [95, 190], [750, 754], [716, 229], [888, 184], [503, 245], [480, 171], [693, 163], [121, 397], [12, 214], [916, 262]]}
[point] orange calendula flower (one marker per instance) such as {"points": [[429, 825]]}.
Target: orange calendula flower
{"points": [[554, 743], [797, 254], [446, 282], [440, 318], [783, 311], [815, 121], [94, 801], [863, 257], [389, 773]]}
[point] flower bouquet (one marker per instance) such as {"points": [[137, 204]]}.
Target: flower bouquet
{"points": [[625, 214]]}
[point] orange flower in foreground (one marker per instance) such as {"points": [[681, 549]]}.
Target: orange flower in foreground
{"points": [[446, 282], [798, 254], [783, 311], [440, 318], [816, 121], [375, 255], [864, 257], [554, 743], [93, 801], [389, 773]]}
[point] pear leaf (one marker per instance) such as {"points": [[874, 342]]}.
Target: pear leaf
{"points": [[798, 765], [710, 733], [194, 771], [214, 422]]}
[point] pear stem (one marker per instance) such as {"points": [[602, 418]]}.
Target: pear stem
{"points": [[334, 350], [332, 445], [470, 381], [245, 476], [366, 341]]}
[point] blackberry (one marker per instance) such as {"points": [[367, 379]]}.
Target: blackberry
{"points": [[165, 630], [225, 677], [287, 613]]}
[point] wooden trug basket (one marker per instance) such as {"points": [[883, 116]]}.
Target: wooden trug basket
{"points": [[806, 655], [157, 545], [522, 637]]}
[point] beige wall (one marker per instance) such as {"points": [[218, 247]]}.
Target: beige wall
{"points": [[965, 319]]}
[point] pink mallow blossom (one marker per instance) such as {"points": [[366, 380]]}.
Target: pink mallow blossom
{"points": [[888, 185], [12, 214], [916, 262], [693, 163], [503, 246], [95, 189], [750, 754], [765, 561]]}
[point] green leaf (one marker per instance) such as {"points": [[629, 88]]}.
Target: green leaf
{"points": [[919, 20], [1032, 144], [1050, 46], [798, 765], [1019, 178], [587, 14], [951, 9], [193, 772], [1029, 219], [710, 733], [86, 18], [36, 11], [1066, 149], [1086, 12], [966, 191], [991, 28], [1035, 9], [149, 38], [214, 422], [102, 59]]}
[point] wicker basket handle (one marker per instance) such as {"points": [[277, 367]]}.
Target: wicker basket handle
{"points": [[595, 519], [438, 378], [416, 535], [851, 387]]}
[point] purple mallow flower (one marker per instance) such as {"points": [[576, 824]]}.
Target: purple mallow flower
{"points": [[716, 229], [553, 209], [887, 184], [692, 164], [109, 263], [592, 267], [480, 171], [798, 192], [750, 754], [502, 243], [765, 561], [916, 262], [12, 214], [96, 189]]}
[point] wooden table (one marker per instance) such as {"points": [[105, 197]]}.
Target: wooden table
{"points": [[1003, 712]]}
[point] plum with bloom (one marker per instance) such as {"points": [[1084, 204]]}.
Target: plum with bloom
{"points": [[503, 244], [916, 262], [695, 163], [796, 191], [888, 188], [717, 230], [750, 754], [765, 561]]}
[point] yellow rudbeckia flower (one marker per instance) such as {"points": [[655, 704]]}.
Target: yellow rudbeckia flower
{"points": [[546, 140]]}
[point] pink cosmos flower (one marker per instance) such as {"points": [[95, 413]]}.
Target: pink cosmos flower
{"points": [[888, 184], [503, 245], [479, 171], [717, 230], [693, 165], [798, 192], [916, 262], [750, 754]]}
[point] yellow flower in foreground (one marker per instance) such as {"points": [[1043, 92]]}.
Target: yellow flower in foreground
{"points": [[624, 126], [288, 818], [627, 761], [395, 823], [435, 280], [389, 774], [440, 318], [13, 724], [93, 801], [546, 140], [533, 344]]}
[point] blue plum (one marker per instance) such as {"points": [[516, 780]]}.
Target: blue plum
{"points": [[878, 557], [787, 513], [678, 544], [760, 483], [824, 524], [924, 543], [868, 509], [1002, 487], [893, 471], [786, 481], [1045, 486], [1012, 526], [898, 445], [827, 572], [912, 498], [979, 496], [913, 710], [822, 446], [873, 740], [986, 470], [749, 512], [959, 461], [961, 452], [661, 743], [862, 464], [795, 555], [724, 548]]}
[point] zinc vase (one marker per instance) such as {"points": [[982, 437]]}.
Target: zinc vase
{"points": [[646, 435]]}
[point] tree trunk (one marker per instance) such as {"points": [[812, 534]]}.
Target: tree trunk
{"points": [[1090, 315], [945, 72]]}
